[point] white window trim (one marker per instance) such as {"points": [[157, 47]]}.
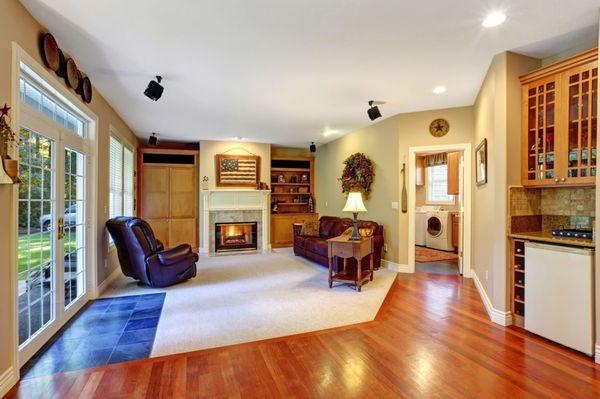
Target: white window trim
{"points": [[114, 133], [427, 201]]}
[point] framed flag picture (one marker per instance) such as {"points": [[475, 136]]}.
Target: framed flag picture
{"points": [[237, 170]]}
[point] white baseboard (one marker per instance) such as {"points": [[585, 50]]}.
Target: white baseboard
{"points": [[8, 379], [597, 353], [497, 316], [395, 267], [109, 280]]}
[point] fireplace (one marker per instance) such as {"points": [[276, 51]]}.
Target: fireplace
{"points": [[235, 236]]}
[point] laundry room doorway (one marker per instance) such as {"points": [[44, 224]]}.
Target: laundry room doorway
{"points": [[439, 209]]}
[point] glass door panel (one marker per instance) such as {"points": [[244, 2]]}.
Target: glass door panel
{"points": [[582, 123], [74, 226], [540, 135], [36, 233]]}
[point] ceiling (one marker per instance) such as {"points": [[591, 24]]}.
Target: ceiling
{"points": [[283, 72]]}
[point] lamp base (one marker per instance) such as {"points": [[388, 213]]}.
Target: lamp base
{"points": [[355, 236]]}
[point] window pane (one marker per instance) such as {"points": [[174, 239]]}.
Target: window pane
{"points": [[437, 185], [127, 182], [116, 178]]}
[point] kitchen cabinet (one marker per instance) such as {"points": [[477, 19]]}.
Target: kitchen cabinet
{"points": [[559, 123], [420, 171], [453, 172]]}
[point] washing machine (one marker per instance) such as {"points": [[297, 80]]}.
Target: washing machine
{"points": [[438, 234], [421, 223]]}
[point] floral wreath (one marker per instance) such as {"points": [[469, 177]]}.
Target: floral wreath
{"points": [[358, 174]]}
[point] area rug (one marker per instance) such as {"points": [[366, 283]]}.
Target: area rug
{"points": [[242, 298], [423, 254]]}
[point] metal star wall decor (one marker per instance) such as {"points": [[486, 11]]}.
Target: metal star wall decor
{"points": [[4, 110]]}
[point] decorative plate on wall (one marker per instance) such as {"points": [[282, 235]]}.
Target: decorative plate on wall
{"points": [[439, 127], [73, 74], [86, 90], [51, 54]]}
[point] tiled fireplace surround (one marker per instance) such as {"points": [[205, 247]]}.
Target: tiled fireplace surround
{"points": [[222, 206]]}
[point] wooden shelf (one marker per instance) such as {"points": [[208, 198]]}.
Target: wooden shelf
{"points": [[290, 193], [519, 301], [519, 270], [290, 184], [290, 170], [291, 203], [519, 285]]}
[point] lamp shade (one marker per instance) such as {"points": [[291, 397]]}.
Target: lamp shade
{"points": [[354, 203]]}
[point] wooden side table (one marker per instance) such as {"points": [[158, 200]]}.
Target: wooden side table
{"points": [[344, 248]]}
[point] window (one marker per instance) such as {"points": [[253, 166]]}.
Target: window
{"points": [[42, 101], [437, 185], [121, 180]]}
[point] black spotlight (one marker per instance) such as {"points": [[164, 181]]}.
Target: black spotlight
{"points": [[313, 147], [373, 112], [154, 89], [153, 140]]}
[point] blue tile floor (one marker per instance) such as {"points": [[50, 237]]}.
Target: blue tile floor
{"points": [[109, 330]]}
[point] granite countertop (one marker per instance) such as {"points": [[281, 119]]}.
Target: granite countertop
{"points": [[546, 236]]}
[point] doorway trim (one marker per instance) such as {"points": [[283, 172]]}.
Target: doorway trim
{"points": [[467, 206]]}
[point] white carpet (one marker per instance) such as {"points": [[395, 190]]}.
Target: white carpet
{"points": [[249, 297]]}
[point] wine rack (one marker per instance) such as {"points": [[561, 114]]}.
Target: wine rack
{"points": [[517, 272]]}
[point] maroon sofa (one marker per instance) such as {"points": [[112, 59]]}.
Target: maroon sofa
{"points": [[315, 248]]}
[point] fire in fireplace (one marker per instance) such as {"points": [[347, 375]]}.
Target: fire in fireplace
{"points": [[235, 236]]}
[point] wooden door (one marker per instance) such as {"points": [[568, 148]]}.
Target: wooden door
{"points": [[155, 205], [580, 146], [541, 132], [420, 171]]}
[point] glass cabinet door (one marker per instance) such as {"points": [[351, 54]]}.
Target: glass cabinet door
{"points": [[540, 140], [581, 149]]}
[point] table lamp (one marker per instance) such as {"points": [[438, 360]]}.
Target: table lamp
{"points": [[354, 204]]}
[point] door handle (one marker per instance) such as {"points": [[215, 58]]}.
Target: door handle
{"points": [[61, 228]]}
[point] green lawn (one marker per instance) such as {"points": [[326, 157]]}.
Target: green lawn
{"points": [[39, 249]]}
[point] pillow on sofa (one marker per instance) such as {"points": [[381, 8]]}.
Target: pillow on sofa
{"points": [[310, 229], [348, 232]]}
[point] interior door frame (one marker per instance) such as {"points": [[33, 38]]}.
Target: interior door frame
{"points": [[465, 148], [90, 147]]}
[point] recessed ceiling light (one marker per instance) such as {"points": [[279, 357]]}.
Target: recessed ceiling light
{"points": [[329, 132], [493, 19], [439, 90]]}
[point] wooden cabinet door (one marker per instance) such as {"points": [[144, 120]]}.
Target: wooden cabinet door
{"points": [[182, 231], [542, 130], [580, 145], [420, 171], [282, 233], [155, 192], [453, 173], [182, 192]]}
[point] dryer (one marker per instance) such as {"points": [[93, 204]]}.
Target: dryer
{"points": [[439, 230]]}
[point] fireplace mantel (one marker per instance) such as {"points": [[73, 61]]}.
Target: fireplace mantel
{"points": [[234, 200]]}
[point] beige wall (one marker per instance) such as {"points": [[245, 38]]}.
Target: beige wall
{"points": [[497, 119], [386, 143], [17, 25], [208, 150]]}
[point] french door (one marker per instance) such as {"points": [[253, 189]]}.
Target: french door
{"points": [[52, 230]]}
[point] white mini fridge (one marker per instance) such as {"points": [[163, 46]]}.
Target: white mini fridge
{"points": [[559, 294]]}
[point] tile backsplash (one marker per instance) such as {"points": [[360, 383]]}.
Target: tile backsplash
{"points": [[543, 209]]}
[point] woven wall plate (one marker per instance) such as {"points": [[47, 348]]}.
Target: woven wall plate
{"points": [[51, 54], [86, 90], [73, 75]]}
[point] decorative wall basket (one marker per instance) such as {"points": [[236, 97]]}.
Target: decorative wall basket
{"points": [[358, 174], [65, 68]]}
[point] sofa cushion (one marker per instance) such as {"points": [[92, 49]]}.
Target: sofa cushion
{"points": [[316, 245], [310, 228], [326, 223]]}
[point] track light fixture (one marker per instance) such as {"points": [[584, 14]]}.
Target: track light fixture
{"points": [[313, 147], [153, 140], [154, 90], [373, 111]]}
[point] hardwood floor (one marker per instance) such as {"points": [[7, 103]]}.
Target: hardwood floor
{"points": [[431, 338]]}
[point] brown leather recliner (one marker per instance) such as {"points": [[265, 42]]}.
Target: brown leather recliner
{"points": [[315, 248], [144, 258]]}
